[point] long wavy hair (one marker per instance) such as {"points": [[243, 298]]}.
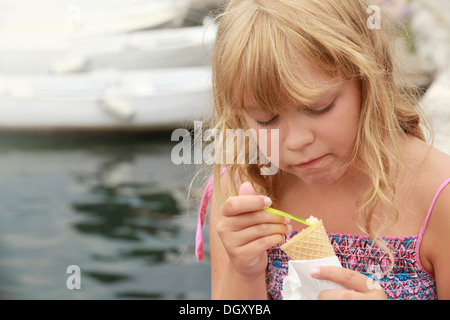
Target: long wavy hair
{"points": [[257, 44]]}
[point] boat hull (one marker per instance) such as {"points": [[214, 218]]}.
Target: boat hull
{"points": [[146, 100]]}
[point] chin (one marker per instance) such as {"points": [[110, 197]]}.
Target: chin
{"points": [[318, 178]]}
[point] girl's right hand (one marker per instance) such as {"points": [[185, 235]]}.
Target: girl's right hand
{"points": [[247, 231]]}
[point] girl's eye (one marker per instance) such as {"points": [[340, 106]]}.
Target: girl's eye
{"points": [[266, 123], [322, 111]]}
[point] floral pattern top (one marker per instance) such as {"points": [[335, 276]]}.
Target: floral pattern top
{"points": [[407, 280]]}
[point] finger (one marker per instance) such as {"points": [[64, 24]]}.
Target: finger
{"points": [[255, 232], [340, 294], [238, 205], [246, 220], [265, 243], [348, 278]]}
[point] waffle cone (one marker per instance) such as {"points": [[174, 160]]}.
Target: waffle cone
{"points": [[311, 243]]}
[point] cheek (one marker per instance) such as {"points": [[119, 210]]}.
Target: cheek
{"points": [[347, 119], [345, 135], [268, 143]]}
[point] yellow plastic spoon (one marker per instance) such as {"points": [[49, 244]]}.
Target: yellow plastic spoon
{"points": [[284, 214]]}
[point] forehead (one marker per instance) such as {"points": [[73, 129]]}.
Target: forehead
{"points": [[316, 84]]}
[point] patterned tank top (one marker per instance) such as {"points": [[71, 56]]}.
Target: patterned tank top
{"points": [[407, 280]]}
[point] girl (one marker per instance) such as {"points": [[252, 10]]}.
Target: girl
{"points": [[351, 152]]}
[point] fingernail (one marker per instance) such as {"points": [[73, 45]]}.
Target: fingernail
{"points": [[314, 271], [267, 201], [289, 227], [287, 220]]}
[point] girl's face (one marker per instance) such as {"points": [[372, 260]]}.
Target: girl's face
{"points": [[315, 143]]}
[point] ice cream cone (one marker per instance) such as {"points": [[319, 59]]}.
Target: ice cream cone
{"points": [[311, 243]]}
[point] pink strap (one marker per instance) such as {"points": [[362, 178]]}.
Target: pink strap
{"points": [[207, 194], [202, 210], [424, 225]]}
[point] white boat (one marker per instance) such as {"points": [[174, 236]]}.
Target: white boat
{"points": [[104, 100], [27, 19], [156, 48]]}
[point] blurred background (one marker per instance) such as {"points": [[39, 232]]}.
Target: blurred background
{"points": [[90, 92]]}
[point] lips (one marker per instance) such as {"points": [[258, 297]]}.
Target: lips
{"points": [[310, 163]]}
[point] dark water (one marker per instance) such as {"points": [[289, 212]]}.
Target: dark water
{"points": [[113, 206]]}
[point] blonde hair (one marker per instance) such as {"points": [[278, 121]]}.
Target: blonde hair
{"points": [[257, 44]]}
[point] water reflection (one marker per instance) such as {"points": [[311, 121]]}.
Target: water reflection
{"points": [[117, 210], [114, 215]]}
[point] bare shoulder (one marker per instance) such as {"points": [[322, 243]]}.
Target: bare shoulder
{"points": [[425, 169], [436, 175], [433, 164], [434, 179], [436, 238], [433, 174], [439, 163]]}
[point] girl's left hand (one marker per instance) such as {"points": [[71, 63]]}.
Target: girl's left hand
{"points": [[359, 286]]}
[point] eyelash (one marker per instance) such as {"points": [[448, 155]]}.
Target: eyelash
{"points": [[322, 111], [312, 111], [267, 123]]}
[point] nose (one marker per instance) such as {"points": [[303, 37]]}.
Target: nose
{"points": [[297, 133]]}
